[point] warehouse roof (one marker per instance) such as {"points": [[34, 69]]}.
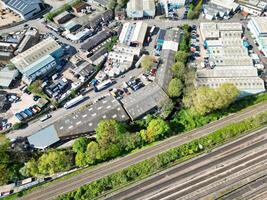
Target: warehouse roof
{"points": [[219, 72], [95, 40], [85, 120], [44, 138], [28, 57], [261, 23], [7, 76], [165, 74], [22, 6], [36, 66], [144, 100]]}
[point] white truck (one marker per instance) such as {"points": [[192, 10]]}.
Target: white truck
{"points": [[74, 101]]}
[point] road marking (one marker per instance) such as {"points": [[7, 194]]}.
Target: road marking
{"points": [[114, 116]]}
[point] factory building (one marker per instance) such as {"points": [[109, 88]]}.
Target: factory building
{"points": [[138, 9], [228, 61], [258, 28], [39, 60], [26, 9], [133, 34]]}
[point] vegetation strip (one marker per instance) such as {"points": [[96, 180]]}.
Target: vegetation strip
{"points": [[164, 160]]}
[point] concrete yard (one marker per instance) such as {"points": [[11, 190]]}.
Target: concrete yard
{"points": [[8, 17]]}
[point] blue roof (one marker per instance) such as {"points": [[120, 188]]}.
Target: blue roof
{"points": [[37, 65], [44, 138]]}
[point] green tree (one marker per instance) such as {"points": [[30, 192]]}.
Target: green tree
{"points": [[80, 159], [112, 4], [109, 132], [4, 174], [93, 153], [30, 168], [147, 62], [175, 87], [205, 100], [181, 56], [54, 161], [156, 129], [36, 87], [80, 145], [179, 69]]}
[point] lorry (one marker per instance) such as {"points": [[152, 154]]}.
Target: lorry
{"points": [[74, 101], [103, 85]]}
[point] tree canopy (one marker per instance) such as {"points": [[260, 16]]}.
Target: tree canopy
{"points": [[179, 69], [80, 145], [147, 62], [156, 129], [205, 100], [175, 87]]}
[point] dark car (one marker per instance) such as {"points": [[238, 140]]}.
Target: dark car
{"points": [[36, 98]]}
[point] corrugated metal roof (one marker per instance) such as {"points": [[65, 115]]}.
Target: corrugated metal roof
{"points": [[44, 138]]}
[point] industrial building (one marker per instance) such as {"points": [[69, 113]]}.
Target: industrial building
{"points": [[63, 17], [168, 39], [7, 76], [133, 34], [165, 73], [219, 9], [170, 5], [31, 38], [84, 121], [144, 101], [44, 138], [26, 9], [258, 28], [138, 9], [229, 61], [254, 8], [96, 40], [39, 60]]}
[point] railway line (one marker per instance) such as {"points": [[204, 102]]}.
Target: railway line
{"points": [[239, 162]]}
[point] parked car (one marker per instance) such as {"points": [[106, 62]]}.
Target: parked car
{"points": [[23, 115], [45, 117], [28, 112], [36, 98], [37, 108], [20, 118]]}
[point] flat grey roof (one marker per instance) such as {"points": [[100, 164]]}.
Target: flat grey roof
{"points": [[85, 119], [44, 138], [164, 73], [144, 100]]}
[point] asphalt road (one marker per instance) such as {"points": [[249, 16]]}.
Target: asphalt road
{"points": [[107, 168], [187, 181]]}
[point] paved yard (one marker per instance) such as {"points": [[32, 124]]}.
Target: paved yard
{"points": [[7, 17]]}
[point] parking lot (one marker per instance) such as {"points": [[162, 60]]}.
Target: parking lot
{"points": [[25, 101]]}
